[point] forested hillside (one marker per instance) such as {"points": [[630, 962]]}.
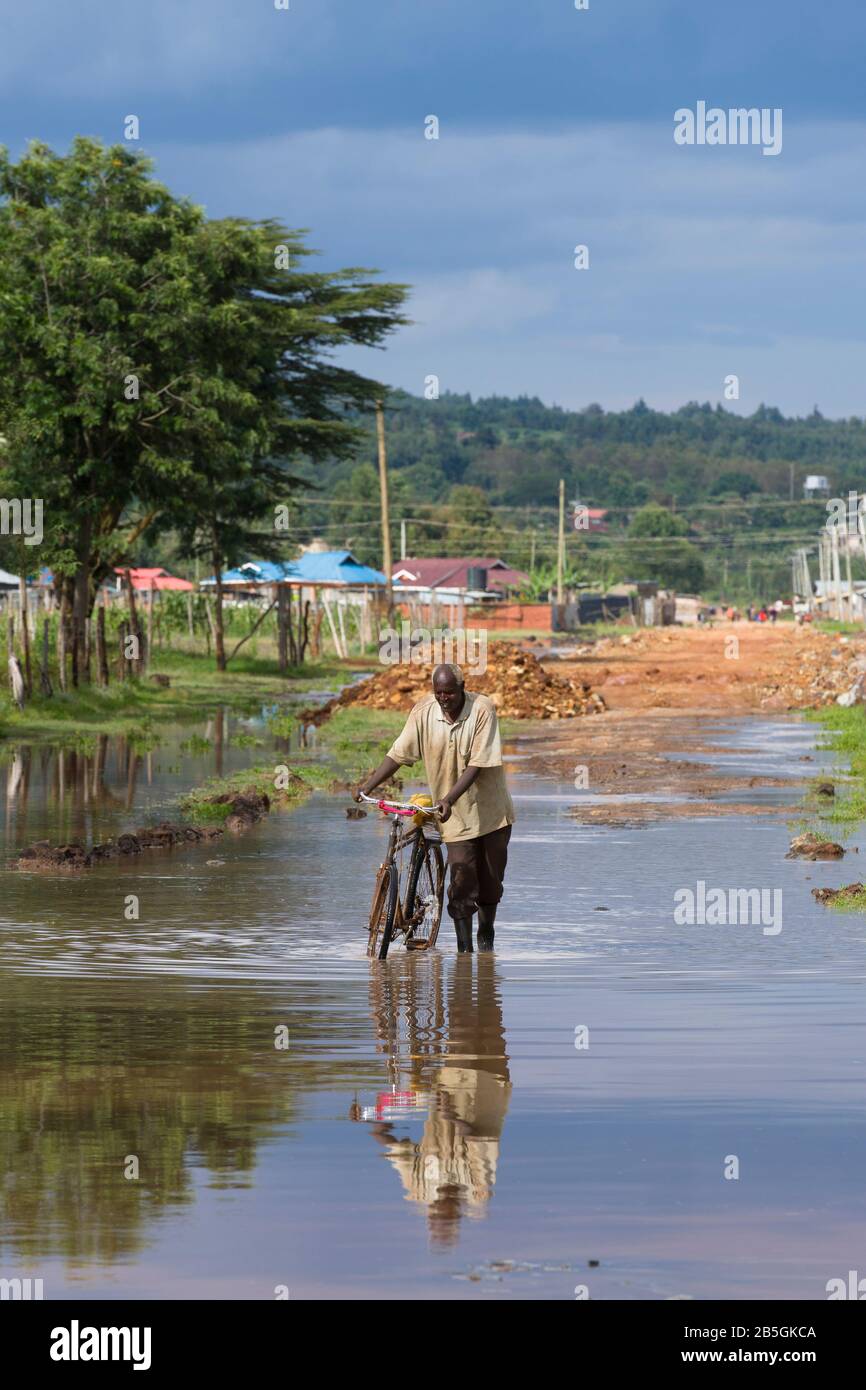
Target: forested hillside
{"points": [[483, 476], [478, 477]]}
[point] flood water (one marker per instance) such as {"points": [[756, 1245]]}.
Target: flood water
{"points": [[436, 1127]]}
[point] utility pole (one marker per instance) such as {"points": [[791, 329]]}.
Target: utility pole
{"points": [[807, 580], [861, 529], [822, 566], [532, 552], [791, 483], [848, 577], [403, 540], [383, 496], [837, 576], [560, 550]]}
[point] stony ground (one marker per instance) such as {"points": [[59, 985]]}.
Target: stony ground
{"points": [[667, 691], [742, 666]]}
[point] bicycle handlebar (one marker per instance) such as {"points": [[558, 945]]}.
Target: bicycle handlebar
{"points": [[405, 809]]}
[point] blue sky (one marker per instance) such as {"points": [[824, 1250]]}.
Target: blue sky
{"points": [[556, 128]]}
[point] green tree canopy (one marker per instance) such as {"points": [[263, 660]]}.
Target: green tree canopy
{"points": [[657, 550], [157, 367]]}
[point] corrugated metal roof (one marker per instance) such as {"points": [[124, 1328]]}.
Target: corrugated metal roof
{"points": [[338, 567], [440, 572], [335, 566]]}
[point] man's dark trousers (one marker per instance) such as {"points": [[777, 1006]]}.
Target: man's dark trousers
{"points": [[477, 870]]}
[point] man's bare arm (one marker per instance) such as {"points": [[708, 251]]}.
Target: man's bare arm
{"points": [[464, 781], [386, 769]]}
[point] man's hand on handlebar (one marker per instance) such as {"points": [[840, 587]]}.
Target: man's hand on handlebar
{"points": [[386, 769], [443, 808]]}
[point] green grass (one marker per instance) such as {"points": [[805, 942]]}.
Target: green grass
{"points": [[833, 625], [855, 903], [846, 730], [358, 739], [198, 804], [196, 688]]}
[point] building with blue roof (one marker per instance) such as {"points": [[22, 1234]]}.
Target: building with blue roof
{"points": [[330, 584], [327, 569]]}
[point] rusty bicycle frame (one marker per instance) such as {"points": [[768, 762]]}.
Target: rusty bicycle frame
{"points": [[415, 915]]}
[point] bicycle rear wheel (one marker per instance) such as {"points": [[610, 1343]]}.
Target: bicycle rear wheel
{"points": [[383, 912], [422, 910]]}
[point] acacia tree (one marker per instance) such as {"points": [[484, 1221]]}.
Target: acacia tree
{"points": [[150, 357]]}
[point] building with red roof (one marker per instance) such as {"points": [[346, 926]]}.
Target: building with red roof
{"points": [[448, 576], [146, 580]]}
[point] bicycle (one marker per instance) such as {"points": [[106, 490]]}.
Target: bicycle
{"points": [[418, 912]]}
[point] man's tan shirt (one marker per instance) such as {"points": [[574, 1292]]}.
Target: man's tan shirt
{"points": [[447, 750]]}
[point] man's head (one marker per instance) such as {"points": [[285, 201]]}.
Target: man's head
{"points": [[448, 689]]}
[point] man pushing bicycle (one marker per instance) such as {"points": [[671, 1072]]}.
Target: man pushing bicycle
{"points": [[456, 735]]}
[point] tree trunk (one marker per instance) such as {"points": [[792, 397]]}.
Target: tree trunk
{"points": [[25, 638], [150, 620], [303, 627], [80, 601], [87, 650], [16, 681], [10, 631], [138, 663], [62, 638], [282, 633], [44, 677], [210, 629], [290, 628], [219, 635], [316, 642], [101, 653], [123, 671]]}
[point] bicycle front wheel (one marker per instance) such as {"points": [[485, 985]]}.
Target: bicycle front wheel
{"points": [[383, 912], [423, 907]]}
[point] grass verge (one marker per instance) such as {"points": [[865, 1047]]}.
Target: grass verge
{"points": [[846, 729], [134, 706]]}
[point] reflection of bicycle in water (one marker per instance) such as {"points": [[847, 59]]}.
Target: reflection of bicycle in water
{"points": [[442, 1032], [412, 908]]}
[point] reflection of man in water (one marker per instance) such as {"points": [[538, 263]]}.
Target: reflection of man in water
{"points": [[452, 1171]]}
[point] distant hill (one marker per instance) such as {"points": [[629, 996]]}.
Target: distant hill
{"points": [[516, 450]]}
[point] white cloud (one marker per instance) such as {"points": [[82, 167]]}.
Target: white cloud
{"points": [[483, 226]]}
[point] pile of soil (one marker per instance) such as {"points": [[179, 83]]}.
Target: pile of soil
{"points": [[811, 846], [833, 895], [816, 671], [246, 808], [517, 683]]}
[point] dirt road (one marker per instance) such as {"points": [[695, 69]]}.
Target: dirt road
{"points": [[733, 666], [667, 691]]}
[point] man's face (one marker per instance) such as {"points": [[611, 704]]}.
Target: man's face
{"points": [[449, 695]]}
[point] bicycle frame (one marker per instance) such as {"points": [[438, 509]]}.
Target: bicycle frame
{"points": [[400, 838]]}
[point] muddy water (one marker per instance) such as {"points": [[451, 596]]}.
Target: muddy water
{"points": [[431, 1129]]}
